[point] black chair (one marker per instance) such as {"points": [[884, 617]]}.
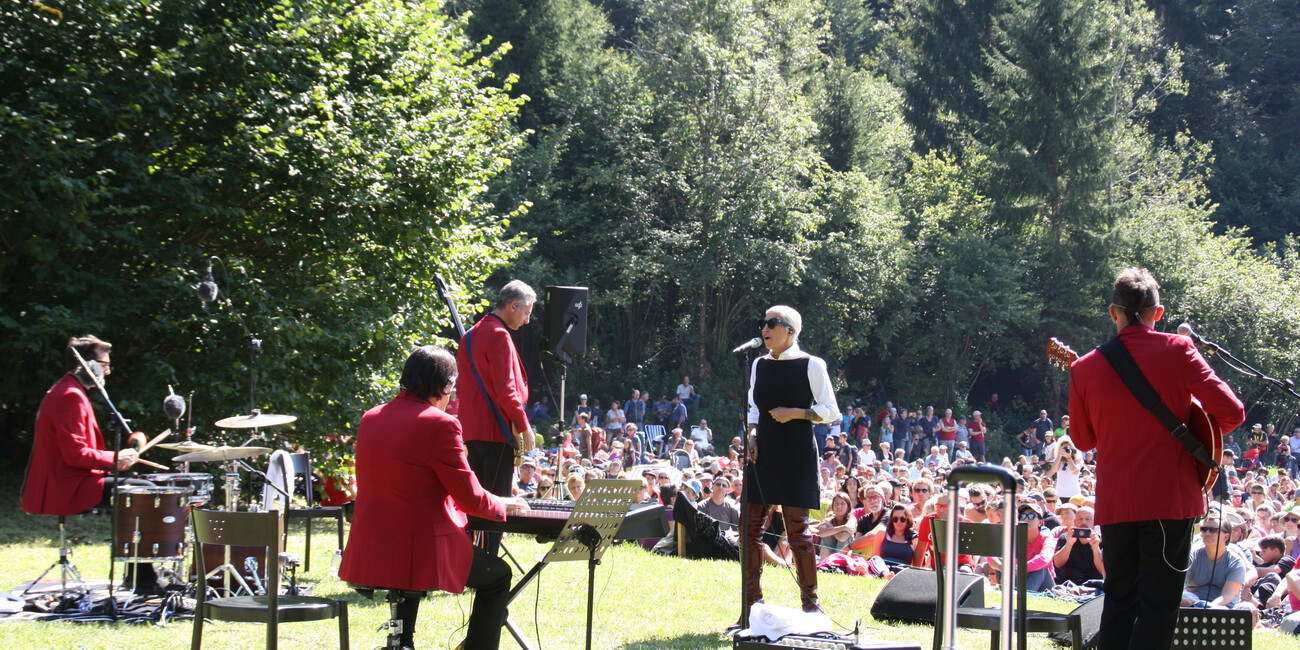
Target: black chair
{"points": [[259, 529], [302, 467], [986, 540]]}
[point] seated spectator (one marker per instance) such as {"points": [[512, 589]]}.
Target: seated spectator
{"points": [[963, 452], [576, 483], [703, 437], [896, 542], [541, 410], [526, 483], [719, 506], [672, 443], [567, 448], [873, 514], [976, 503], [920, 490], [1078, 558], [1272, 565], [1042, 547], [837, 528], [1216, 575]]}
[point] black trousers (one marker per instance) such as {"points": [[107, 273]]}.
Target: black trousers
{"points": [[489, 576], [1146, 564], [494, 465]]}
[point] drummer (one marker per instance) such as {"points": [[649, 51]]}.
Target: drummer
{"points": [[70, 471]]}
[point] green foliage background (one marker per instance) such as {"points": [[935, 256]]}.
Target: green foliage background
{"points": [[938, 186]]}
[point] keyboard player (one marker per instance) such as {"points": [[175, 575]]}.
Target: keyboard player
{"points": [[415, 488]]}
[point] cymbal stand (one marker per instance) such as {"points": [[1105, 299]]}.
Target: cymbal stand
{"points": [[226, 568]]}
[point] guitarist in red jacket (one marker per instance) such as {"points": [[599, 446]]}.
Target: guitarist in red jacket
{"points": [[1149, 492], [493, 391]]}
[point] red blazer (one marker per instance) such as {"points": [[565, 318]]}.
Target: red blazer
{"points": [[414, 487], [503, 376], [1143, 473], [68, 464]]}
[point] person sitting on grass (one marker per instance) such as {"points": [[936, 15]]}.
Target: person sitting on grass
{"points": [[837, 528]]}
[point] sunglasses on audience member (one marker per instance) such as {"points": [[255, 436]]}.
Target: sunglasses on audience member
{"points": [[773, 323], [921, 489], [1256, 491], [1206, 530], [1292, 520], [1028, 516], [901, 520]]}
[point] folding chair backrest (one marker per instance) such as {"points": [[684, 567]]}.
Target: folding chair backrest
{"points": [[302, 467], [985, 540], [239, 528]]}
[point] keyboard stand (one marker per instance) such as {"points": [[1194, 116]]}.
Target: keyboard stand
{"points": [[590, 529]]}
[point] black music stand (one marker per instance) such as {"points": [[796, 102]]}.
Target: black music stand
{"points": [[590, 529]]}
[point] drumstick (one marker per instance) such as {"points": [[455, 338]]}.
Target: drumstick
{"points": [[159, 438], [152, 464]]}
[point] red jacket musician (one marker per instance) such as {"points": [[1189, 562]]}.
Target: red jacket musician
{"points": [[414, 490], [69, 465], [1148, 491]]}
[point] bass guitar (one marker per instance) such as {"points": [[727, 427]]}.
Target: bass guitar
{"points": [[522, 443], [1202, 425]]}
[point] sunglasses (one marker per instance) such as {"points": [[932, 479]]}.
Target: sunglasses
{"points": [[1256, 491], [1291, 520], [1028, 516], [926, 490], [1207, 530], [901, 520], [772, 323], [1053, 501]]}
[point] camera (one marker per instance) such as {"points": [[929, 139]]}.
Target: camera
{"points": [[1083, 533]]}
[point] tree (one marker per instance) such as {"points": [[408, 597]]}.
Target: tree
{"points": [[335, 154]]}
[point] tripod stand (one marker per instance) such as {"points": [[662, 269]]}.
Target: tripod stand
{"points": [[66, 567]]}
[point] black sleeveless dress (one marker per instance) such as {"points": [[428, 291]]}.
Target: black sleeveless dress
{"points": [[786, 472]]}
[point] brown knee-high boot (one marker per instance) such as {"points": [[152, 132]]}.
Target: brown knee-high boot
{"points": [[753, 515], [805, 556]]}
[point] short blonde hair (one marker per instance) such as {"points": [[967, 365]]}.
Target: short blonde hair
{"points": [[789, 315]]}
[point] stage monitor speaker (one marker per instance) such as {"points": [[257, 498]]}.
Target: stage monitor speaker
{"points": [[1089, 620], [911, 596], [564, 329]]}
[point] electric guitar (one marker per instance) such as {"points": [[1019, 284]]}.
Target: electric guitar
{"points": [[1201, 424], [523, 443]]}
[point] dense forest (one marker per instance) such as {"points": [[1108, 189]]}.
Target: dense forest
{"points": [[938, 186]]}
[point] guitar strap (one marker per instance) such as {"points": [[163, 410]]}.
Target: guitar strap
{"points": [[496, 413], [1128, 370]]}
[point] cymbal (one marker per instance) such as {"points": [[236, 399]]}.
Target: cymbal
{"points": [[256, 420], [221, 454], [188, 445]]}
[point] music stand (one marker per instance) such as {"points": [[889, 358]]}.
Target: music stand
{"points": [[590, 529]]}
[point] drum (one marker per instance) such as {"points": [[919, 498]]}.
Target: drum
{"points": [[158, 514], [198, 484]]}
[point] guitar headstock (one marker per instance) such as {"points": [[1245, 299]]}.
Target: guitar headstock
{"points": [[1060, 354]]}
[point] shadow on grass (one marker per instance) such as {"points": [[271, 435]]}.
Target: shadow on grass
{"points": [[18, 527], [695, 640]]}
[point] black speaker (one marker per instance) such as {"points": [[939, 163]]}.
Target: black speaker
{"points": [[1089, 621], [911, 596], [564, 331]]}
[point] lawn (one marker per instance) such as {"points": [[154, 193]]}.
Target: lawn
{"points": [[642, 601]]}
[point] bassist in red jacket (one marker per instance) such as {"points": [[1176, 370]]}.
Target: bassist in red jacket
{"points": [[1149, 494]]}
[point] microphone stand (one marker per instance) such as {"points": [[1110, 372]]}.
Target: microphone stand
{"points": [[1285, 385], [254, 343], [121, 425], [746, 468]]}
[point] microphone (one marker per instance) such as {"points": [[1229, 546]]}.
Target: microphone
{"points": [[173, 405], [208, 287], [1185, 329], [748, 345]]}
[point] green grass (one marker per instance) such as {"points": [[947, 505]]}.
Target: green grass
{"points": [[642, 601]]}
